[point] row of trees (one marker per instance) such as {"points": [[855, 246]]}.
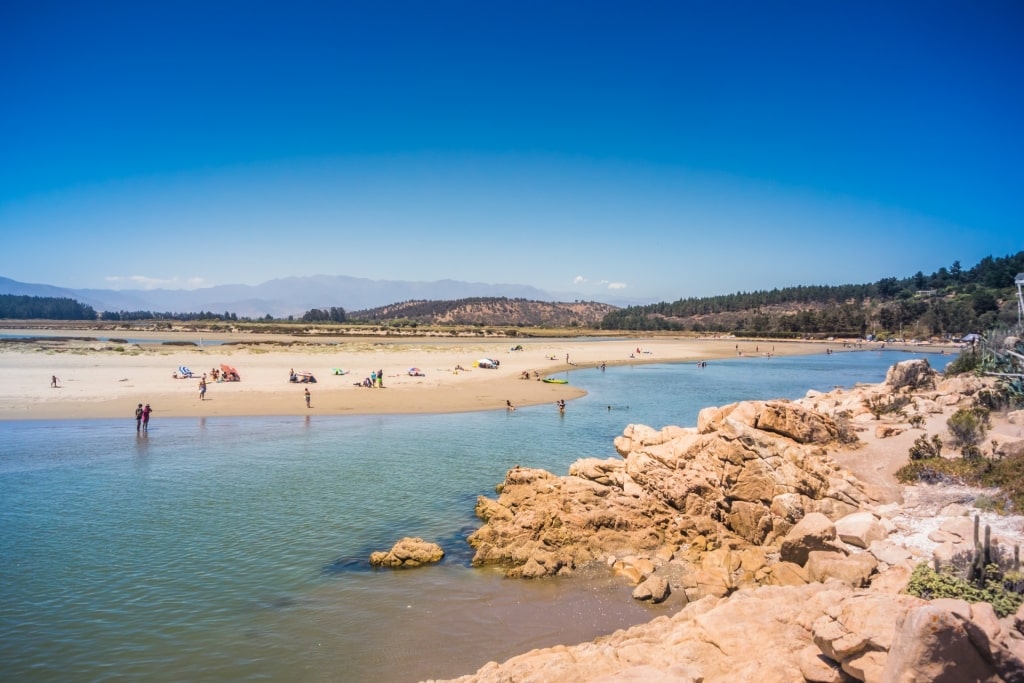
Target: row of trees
{"points": [[334, 314], [150, 315], [949, 302], [18, 307]]}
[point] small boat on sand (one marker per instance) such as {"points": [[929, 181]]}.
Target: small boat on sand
{"points": [[555, 380]]}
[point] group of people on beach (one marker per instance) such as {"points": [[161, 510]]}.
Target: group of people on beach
{"points": [[142, 418], [375, 380]]}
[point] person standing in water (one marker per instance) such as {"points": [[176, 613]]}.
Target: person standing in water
{"points": [[138, 419], [145, 418]]}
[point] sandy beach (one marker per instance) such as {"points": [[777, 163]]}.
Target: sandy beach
{"points": [[107, 379]]}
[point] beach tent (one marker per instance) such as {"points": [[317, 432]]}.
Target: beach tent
{"points": [[485, 363], [339, 371], [416, 372], [184, 371], [230, 374]]}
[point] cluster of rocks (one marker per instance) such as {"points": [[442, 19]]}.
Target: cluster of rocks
{"points": [[750, 525], [717, 499], [820, 632], [748, 522]]}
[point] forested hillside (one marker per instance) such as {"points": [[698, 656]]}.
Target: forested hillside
{"points": [[17, 307], [949, 302]]}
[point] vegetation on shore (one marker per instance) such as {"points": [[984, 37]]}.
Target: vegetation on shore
{"points": [[1001, 356], [949, 302]]}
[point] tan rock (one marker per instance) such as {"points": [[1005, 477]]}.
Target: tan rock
{"points": [[867, 666], [886, 431], [814, 532], [787, 574], [815, 667], [407, 553], [888, 552], [797, 423], [860, 529], [853, 570], [911, 374], [654, 589], [893, 580], [932, 644]]}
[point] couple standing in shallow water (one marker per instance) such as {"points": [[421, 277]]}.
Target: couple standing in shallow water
{"points": [[142, 418]]}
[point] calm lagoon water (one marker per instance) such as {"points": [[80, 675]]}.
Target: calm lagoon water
{"points": [[235, 548]]}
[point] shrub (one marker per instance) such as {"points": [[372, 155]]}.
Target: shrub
{"points": [[924, 448], [927, 583], [880, 405], [969, 360], [968, 427], [916, 420]]}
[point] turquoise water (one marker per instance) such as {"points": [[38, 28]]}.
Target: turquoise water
{"points": [[235, 548]]}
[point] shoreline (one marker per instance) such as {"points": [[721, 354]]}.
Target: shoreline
{"points": [[100, 379]]}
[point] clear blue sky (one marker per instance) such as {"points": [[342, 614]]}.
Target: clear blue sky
{"points": [[652, 150]]}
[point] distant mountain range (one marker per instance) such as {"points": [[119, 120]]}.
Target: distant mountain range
{"points": [[286, 296]]}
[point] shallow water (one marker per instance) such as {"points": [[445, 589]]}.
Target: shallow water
{"points": [[235, 548]]}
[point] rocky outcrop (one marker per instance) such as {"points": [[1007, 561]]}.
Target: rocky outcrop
{"points": [[911, 375], [822, 632], [762, 540], [746, 475], [407, 553]]}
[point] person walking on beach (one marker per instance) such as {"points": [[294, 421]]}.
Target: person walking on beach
{"points": [[145, 418], [138, 419], [509, 406], [202, 388], [307, 397], [380, 379], [53, 382]]}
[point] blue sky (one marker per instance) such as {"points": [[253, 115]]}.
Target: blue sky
{"points": [[648, 150]]}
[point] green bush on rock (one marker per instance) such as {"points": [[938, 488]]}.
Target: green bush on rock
{"points": [[927, 583]]}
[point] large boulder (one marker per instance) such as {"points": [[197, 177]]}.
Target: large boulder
{"points": [[797, 423], [935, 644], [853, 570], [814, 532], [860, 529], [911, 375], [654, 589], [408, 552]]}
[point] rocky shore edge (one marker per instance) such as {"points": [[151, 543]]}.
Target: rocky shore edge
{"points": [[788, 566]]}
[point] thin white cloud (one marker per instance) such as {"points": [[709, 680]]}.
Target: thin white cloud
{"points": [[580, 280], [145, 282]]}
